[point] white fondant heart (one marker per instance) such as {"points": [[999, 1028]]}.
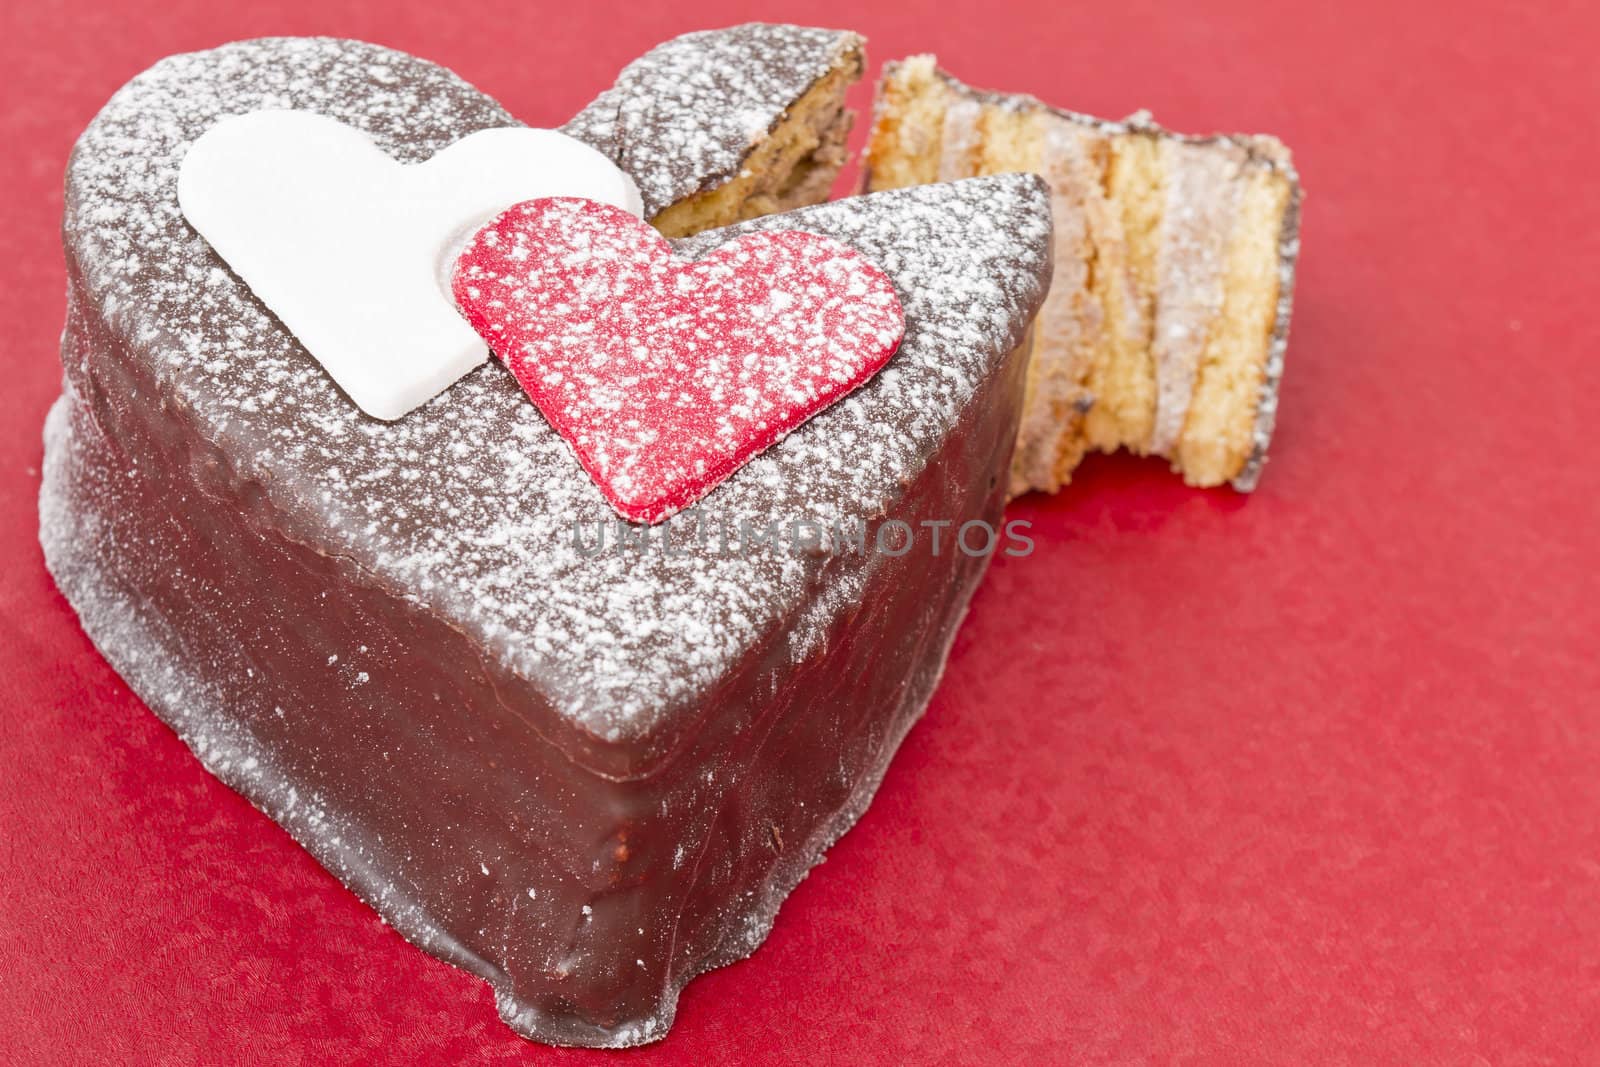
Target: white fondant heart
{"points": [[352, 250]]}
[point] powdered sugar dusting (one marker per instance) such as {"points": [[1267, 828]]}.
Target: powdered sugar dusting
{"points": [[466, 505], [666, 375]]}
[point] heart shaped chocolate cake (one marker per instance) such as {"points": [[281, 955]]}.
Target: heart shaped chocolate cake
{"points": [[583, 759]]}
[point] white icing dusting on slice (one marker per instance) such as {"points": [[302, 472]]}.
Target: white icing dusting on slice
{"points": [[1202, 199]]}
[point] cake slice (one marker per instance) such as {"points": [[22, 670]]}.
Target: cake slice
{"points": [[1165, 327], [724, 125], [584, 774]]}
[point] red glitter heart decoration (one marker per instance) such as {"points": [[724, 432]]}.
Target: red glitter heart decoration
{"points": [[666, 375]]}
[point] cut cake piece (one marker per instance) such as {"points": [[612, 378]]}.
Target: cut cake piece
{"points": [[584, 776], [774, 141], [1166, 324]]}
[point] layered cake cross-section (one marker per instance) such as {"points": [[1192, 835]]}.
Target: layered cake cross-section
{"points": [[1166, 325]]}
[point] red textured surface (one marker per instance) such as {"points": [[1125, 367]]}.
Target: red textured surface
{"points": [[1312, 776], [724, 375]]}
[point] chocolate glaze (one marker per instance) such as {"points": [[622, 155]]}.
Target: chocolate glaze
{"points": [[585, 779]]}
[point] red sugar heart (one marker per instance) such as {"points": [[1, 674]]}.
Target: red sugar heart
{"points": [[667, 375]]}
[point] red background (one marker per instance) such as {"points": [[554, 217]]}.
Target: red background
{"points": [[1310, 776]]}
